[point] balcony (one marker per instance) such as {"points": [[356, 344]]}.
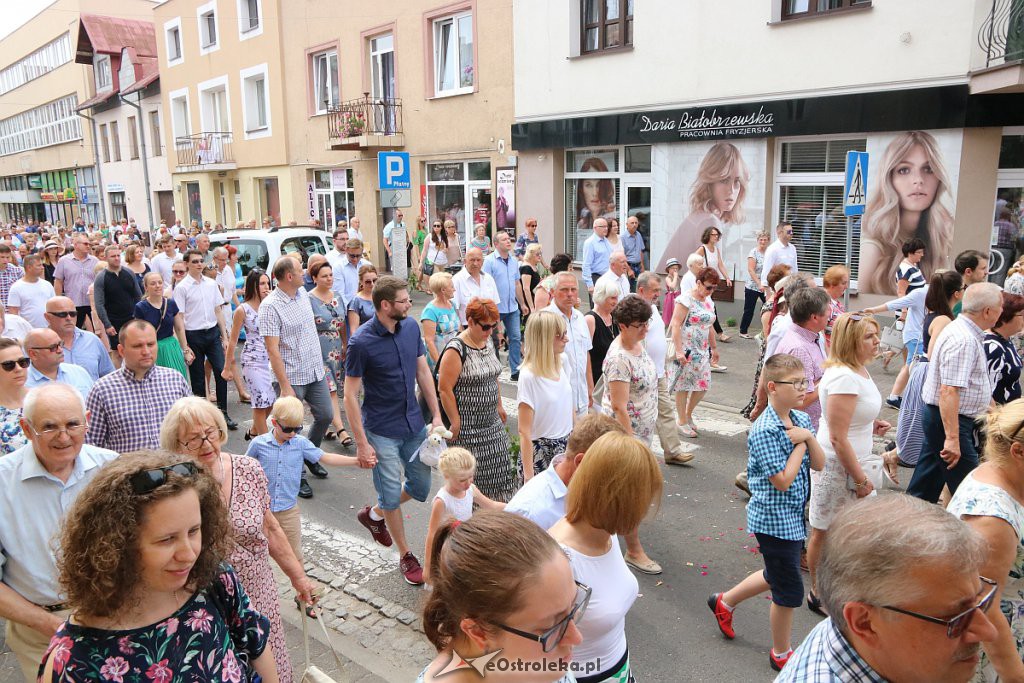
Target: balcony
{"points": [[205, 152], [1001, 39], [365, 123]]}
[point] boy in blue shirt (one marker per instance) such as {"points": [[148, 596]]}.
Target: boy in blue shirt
{"points": [[782, 450], [281, 452]]}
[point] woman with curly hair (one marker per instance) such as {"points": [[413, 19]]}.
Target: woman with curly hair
{"points": [[909, 202], [716, 200], [142, 569]]}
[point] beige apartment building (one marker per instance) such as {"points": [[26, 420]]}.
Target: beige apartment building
{"points": [[48, 161], [282, 117]]}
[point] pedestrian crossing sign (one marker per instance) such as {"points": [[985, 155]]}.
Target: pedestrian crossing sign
{"points": [[855, 189]]}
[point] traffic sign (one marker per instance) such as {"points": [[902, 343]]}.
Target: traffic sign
{"points": [[855, 189], [396, 198], [393, 171]]}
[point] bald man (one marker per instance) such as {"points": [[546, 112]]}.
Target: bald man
{"points": [[81, 348]]}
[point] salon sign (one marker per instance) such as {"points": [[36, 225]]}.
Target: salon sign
{"points": [[710, 123]]}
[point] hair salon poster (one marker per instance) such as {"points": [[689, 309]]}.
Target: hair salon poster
{"points": [[505, 204]]}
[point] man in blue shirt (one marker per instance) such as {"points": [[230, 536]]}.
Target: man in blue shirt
{"points": [[81, 347], [597, 253], [505, 271], [386, 359], [46, 352], [634, 247]]}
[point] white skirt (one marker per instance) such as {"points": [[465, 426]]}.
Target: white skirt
{"points": [[829, 491]]}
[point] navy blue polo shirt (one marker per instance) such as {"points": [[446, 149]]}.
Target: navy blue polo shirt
{"points": [[387, 365]]}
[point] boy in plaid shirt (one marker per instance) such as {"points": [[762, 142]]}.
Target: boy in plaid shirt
{"points": [[782, 450]]}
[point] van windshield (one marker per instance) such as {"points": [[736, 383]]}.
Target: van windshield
{"points": [[251, 253]]}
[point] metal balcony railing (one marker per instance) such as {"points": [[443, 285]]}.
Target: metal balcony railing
{"points": [[365, 116], [204, 149], [1001, 36]]}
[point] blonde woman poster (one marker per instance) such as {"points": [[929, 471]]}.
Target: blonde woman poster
{"points": [[909, 196], [716, 199]]}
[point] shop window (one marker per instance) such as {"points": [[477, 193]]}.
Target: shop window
{"points": [[606, 25], [118, 208], [325, 81], [454, 68], [810, 192], [1011, 152], [798, 9], [461, 192], [638, 159], [592, 187]]}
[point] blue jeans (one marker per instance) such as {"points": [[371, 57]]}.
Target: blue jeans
{"points": [[931, 471], [393, 457], [510, 321]]}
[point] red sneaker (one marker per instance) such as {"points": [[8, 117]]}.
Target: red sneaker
{"points": [[778, 661], [411, 569], [722, 616], [379, 530]]}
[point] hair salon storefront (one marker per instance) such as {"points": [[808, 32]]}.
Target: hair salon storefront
{"points": [[746, 167]]}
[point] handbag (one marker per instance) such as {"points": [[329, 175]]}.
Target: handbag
{"points": [[314, 674], [892, 337]]}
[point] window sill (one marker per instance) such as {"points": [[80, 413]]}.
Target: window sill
{"points": [[453, 93], [250, 29], [606, 51], [823, 15]]}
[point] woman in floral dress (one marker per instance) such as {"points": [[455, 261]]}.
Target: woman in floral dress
{"points": [[135, 620], [255, 360], [329, 317], [990, 501], [631, 378], [695, 348], [194, 428], [12, 394]]}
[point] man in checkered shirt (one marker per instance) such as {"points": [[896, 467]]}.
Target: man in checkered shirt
{"points": [[957, 389], [900, 578]]}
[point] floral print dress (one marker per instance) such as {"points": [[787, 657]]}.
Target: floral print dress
{"points": [[641, 375], [695, 375], [11, 436], [329, 318], [986, 500], [214, 636]]}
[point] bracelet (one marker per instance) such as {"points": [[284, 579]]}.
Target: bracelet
{"points": [[861, 484]]}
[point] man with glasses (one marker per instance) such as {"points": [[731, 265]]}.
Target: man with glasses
{"points": [[39, 482], [181, 244], [345, 265], [387, 359], [564, 294], [472, 283], [74, 273], [46, 352], [617, 273], [199, 299], [906, 600], [781, 251], [808, 308], [597, 253], [81, 348], [127, 407], [163, 261]]}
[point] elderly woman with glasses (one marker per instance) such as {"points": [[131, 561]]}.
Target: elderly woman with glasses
{"points": [[13, 371], [195, 428], [991, 501], [696, 349], [467, 383]]}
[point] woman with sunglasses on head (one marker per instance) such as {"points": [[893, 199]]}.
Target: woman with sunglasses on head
{"points": [[696, 349], [162, 313], [468, 387], [13, 371], [360, 308], [255, 360], [991, 500], [142, 568], [435, 254], [610, 493], [195, 428], [485, 599], [850, 404], [329, 318]]}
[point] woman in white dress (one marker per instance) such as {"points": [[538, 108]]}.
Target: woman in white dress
{"points": [[850, 403]]}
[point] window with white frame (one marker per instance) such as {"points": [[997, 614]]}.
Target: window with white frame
{"points": [[325, 81], [42, 61], [255, 102], [52, 123], [180, 123], [208, 28], [809, 194], [101, 67], [250, 18], [454, 69], [172, 34]]}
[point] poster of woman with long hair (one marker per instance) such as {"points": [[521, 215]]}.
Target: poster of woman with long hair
{"points": [[910, 198], [595, 198], [716, 200]]}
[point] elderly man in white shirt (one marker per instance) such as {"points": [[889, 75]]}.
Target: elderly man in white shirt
{"points": [[618, 267], [345, 266], [780, 251], [38, 483], [564, 294], [473, 283]]}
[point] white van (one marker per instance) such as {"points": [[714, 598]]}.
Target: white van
{"points": [[261, 248]]}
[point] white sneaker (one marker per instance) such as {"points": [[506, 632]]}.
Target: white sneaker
{"points": [[719, 368]]}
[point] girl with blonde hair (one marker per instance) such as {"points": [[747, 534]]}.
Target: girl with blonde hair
{"points": [[909, 202]]}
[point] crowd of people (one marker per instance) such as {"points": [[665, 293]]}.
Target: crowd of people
{"points": [[150, 546]]}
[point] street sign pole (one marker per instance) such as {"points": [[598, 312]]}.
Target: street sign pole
{"points": [[855, 193]]}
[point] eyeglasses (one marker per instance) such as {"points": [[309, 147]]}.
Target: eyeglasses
{"points": [[193, 263], [73, 428], [148, 480], [62, 314], [550, 639], [956, 626], [563, 335], [177, 272], [640, 326], [8, 365], [196, 442], [799, 385], [52, 348]]}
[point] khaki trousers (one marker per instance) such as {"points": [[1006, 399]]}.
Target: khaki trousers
{"points": [[29, 646], [291, 524], [666, 426]]}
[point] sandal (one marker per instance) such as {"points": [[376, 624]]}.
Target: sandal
{"points": [[724, 338], [688, 431], [814, 604], [245, 399], [330, 435], [310, 609], [248, 434], [345, 440]]}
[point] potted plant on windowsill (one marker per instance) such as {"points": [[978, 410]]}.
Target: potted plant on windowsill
{"points": [[353, 125]]}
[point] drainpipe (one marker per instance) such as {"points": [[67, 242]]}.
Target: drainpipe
{"points": [[145, 159], [96, 157]]}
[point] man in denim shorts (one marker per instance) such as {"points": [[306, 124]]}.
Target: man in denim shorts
{"points": [[386, 358]]}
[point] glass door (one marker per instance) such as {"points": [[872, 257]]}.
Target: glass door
{"points": [[1006, 224], [638, 203], [382, 82]]}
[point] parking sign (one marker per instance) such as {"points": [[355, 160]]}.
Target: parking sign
{"points": [[393, 171]]}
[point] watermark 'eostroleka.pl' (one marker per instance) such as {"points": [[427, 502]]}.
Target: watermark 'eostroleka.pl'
{"points": [[492, 662]]}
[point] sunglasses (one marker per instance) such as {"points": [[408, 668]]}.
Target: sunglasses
{"points": [[52, 348], [176, 272], [355, 256], [147, 481], [956, 626], [8, 365], [62, 314], [486, 328], [288, 430], [550, 639]]}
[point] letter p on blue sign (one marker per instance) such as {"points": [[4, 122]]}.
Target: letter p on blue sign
{"points": [[393, 171]]}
